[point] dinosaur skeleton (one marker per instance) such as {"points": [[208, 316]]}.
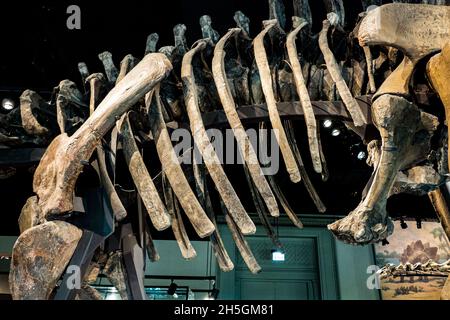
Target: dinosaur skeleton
{"points": [[146, 98]]}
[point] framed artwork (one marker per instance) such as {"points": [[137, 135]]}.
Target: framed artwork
{"points": [[407, 249]]}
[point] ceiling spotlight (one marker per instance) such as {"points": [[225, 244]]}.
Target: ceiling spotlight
{"points": [[327, 123], [172, 289], [335, 132], [361, 155], [8, 104]]}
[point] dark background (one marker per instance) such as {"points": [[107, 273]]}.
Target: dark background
{"points": [[37, 51]]}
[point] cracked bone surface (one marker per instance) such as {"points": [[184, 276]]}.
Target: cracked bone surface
{"points": [[144, 184], [34, 269], [302, 91], [438, 71], [417, 30], [274, 116], [55, 177], [397, 120], [246, 149], [173, 171], [335, 73], [201, 139]]}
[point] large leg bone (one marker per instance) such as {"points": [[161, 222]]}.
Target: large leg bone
{"points": [[205, 147], [174, 172], [438, 71], [40, 256], [398, 121], [229, 106], [335, 72], [303, 94], [267, 86], [56, 175], [144, 183]]}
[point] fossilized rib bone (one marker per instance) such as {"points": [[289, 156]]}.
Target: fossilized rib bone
{"points": [[332, 66], [172, 169], [205, 147], [127, 63], [229, 106], [397, 120], [56, 175], [266, 81], [303, 94], [187, 250], [155, 208], [96, 82]]}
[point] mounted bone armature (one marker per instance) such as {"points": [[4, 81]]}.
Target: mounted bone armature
{"points": [[246, 149], [55, 177], [243, 22], [173, 171], [302, 10], [302, 91], [127, 63], [152, 41], [334, 69], [201, 139], [207, 31], [144, 184], [397, 120], [108, 64], [267, 87]]}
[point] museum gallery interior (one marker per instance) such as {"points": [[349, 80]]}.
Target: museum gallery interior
{"points": [[231, 150]]}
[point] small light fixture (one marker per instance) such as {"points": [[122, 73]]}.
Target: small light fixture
{"points": [[361, 155], [403, 224], [8, 104], [278, 255], [172, 289], [327, 123], [419, 223], [335, 132]]}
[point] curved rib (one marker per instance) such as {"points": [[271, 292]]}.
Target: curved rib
{"points": [[229, 106], [332, 66], [144, 183], [266, 81], [205, 147], [302, 90], [172, 169]]}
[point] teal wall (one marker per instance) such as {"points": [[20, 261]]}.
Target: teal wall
{"points": [[317, 266]]}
